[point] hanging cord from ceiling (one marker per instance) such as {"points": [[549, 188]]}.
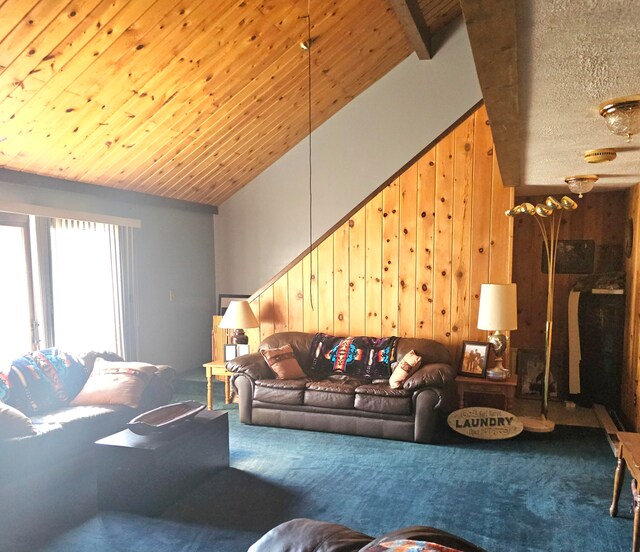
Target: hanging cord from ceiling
{"points": [[307, 47]]}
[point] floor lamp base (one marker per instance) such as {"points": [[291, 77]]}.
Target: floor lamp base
{"points": [[538, 424]]}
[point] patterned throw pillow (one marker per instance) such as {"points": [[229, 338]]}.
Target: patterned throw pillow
{"points": [[403, 545], [283, 362], [117, 383], [407, 366], [14, 423]]}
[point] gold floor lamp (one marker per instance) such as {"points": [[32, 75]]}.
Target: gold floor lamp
{"points": [[548, 215]]}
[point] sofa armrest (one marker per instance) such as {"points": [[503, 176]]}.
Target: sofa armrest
{"points": [[252, 365], [430, 375]]}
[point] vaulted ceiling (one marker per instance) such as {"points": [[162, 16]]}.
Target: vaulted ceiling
{"points": [[188, 99]]}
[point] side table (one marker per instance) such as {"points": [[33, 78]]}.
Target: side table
{"points": [[628, 453], [215, 368], [506, 388]]}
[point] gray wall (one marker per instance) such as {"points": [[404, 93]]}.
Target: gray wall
{"points": [[266, 225], [173, 250]]}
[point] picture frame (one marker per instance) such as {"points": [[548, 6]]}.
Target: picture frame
{"points": [[230, 351], [242, 349], [474, 358], [224, 299], [572, 257], [530, 366]]}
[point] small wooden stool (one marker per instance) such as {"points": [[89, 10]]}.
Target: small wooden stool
{"points": [[628, 451]]}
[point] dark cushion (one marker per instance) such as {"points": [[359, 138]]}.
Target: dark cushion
{"points": [[382, 398], [280, 391], [431, 351], [307, 535], [331, 394], [430, 375], [253, 365]]}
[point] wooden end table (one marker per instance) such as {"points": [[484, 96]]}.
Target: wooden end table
{"points": [[506, 388], [215, 368], [628, 452]]}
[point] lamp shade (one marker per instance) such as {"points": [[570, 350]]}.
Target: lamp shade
{"points": [[498, 307], [238, 316]]}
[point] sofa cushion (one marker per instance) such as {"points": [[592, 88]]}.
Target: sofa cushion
{"points": [[307, 535], [283, 362], [14, 423], [338, 393], [383, 399], [280, 391], [117, 383], [406, 366]]}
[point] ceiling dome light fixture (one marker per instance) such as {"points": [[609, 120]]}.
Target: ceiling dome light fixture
{"points": [[600, 155], [581, 183], [622, 115]]}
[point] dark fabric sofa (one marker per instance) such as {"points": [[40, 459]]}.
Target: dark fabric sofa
{"points": [[307, 535], [354, 406], [65, 435]]}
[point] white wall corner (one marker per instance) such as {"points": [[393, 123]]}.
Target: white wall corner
{"points": [[264, 226]]}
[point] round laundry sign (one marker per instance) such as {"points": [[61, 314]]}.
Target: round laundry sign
{"points": [[484, 423]]}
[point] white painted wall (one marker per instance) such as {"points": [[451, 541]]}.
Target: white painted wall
{"points": [[265, 225]]}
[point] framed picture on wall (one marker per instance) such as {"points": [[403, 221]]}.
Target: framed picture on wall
{"points": [[572, 257], [224, 299], [473, 361], [531, 365]]}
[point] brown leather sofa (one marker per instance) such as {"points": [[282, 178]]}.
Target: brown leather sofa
{"points": [[354, 406], [307, 535], [63, 444]]}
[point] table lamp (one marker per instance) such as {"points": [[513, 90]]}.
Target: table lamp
{"points": [[238, 317], [497, 313]]}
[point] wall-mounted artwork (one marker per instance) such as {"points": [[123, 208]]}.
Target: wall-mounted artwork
{"points": [[573, 257]]}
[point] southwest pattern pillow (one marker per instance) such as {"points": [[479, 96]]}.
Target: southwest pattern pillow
{"points": [[283, 362], [42, 380], [404, 545], [407, 366]]}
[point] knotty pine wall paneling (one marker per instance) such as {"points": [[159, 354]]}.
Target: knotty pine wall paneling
{"points": [[411, 260]]}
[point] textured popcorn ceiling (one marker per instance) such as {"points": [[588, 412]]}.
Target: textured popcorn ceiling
{"points": [[572, 55]]}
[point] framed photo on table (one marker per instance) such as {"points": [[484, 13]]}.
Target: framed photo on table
{"points": [[230, 351], [242, 349], [473, 361], [531, 363]]}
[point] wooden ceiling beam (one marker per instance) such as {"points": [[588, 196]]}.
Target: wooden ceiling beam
{"points": [[414, 26], [491, 25]]}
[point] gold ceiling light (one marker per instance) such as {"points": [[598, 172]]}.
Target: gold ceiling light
{"points": [[600, 155], [581, 183], [622, 115]]}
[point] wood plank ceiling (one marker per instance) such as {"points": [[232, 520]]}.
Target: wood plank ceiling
{"points": [[188, 99]]}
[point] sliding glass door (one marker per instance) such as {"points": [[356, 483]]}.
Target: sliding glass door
{"points": [[18, 325]]}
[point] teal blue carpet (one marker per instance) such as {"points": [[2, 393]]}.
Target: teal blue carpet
{"points": [[532, 493]]}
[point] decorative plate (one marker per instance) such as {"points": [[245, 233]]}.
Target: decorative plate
{"points": [[164, 417]]}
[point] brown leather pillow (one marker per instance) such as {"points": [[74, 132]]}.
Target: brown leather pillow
{"points": [[14, 423], [115, 383], [407, 366], [283, 362]]}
